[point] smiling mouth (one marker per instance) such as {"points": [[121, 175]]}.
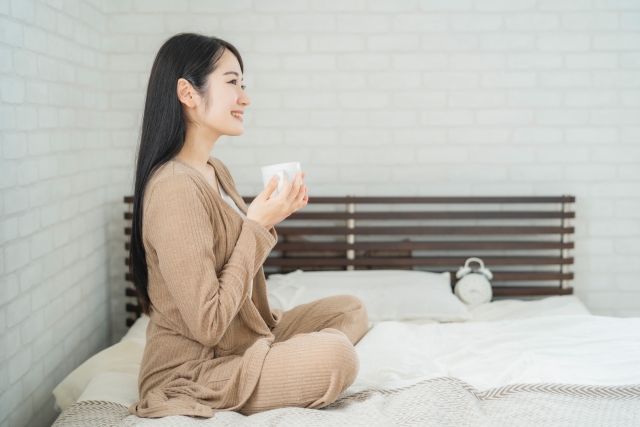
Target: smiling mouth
{"points": [[238, 117]]}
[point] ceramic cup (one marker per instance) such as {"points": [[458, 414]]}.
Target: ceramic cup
{"points": [[283, 170]]}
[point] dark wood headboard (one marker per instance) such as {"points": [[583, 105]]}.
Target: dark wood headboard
{"points": [[524, 241]]}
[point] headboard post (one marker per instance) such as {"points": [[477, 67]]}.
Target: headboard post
{"points": [[351, 238], [132, 306], [564, 238]]}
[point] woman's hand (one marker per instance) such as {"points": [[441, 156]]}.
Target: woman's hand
{"points": [[270, 211]]}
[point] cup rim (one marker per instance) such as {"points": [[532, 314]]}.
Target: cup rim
{"points": [[279, 165]]}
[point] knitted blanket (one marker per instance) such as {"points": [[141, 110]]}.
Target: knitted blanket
{"points": [[443, 401]]}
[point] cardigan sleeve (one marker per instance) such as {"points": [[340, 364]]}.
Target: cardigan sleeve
{"points": [[180, 231]]}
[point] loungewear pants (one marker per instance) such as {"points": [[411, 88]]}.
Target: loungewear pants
{"points": [[315, 341]]}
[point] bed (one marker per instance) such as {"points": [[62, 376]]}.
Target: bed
{"points": [[534, 355]]}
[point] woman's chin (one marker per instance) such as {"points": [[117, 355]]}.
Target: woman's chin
{"points": [[236, 132]]}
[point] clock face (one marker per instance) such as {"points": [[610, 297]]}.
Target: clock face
{"points": [[474, 289], [471, 295]]}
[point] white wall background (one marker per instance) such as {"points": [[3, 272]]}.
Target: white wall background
{"points": [[55, 174], [432, 97]]}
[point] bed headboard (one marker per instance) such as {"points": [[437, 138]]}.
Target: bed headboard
{"points": [[524, 241]]}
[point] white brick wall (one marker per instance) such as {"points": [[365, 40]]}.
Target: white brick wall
{"points": [[468, 97], [54, 190], [375, 97]]}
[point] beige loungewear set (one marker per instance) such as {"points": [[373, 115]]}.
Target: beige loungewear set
{"points": [[213, 343]]}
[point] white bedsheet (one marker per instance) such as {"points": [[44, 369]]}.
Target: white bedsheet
{"points": [[575, 349]]}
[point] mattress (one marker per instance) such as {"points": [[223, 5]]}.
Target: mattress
{"points": [[507, 343]]}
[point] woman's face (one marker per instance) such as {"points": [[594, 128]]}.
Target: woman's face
{"points": [[226, 95]]}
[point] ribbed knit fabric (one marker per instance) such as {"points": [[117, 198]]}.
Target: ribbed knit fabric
{"points": [[229, 200], [203, 329], [313, 358]]}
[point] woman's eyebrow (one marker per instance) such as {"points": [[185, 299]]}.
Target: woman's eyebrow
{"points": [[233, 72]]}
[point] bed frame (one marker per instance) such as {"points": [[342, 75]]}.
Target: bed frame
{"points": [[524, 241]]}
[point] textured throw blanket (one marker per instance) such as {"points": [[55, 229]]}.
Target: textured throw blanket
{"points": [[437, 402]]}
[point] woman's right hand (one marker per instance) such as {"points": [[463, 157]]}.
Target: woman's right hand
{"points": [[270, 211]]}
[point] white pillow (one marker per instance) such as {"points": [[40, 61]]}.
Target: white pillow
{"points": [[138, 329], [387, 294], [126, 352], [117, 384]]}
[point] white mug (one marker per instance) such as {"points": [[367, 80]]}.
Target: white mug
{"points": [[283, 170]]}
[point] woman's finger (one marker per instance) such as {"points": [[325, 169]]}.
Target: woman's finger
{"points": [[297, 204], [286, 189], [295, 187], [265, 194], [302, 198]]}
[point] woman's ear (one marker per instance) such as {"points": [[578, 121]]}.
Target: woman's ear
{"points": [[186, 94]]}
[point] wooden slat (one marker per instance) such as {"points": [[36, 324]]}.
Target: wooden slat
{"points": [[522, 276], [420, 260], [448, 230], [431, 200], [501, 276], [408, 246], [505, 276], [417, 261], [391, 215], [343, 216], [133, 308], [510, 291], [415, 246], [437, 200], [497, 276]]}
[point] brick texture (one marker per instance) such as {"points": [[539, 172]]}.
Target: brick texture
{"points": [[55, 192]]}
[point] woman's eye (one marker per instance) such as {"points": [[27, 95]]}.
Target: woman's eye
{"points": [[234, 80]]}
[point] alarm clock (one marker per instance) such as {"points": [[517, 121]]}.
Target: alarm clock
{"points": [[474, 287]]}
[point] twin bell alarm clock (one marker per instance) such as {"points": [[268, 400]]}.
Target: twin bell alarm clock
{"points": [[474, 287]]}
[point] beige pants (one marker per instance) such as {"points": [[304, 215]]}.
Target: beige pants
{"points": [[313, 358]]}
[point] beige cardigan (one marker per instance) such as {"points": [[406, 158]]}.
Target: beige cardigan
{"points": [[206, 340]]}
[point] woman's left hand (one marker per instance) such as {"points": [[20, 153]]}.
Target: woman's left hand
{"points": [[269, 211], [298, 202]]}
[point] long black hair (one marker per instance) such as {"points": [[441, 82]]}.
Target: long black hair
{"points": [[192, 57]]}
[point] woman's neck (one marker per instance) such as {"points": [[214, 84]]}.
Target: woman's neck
{"points": [[197, 150]]}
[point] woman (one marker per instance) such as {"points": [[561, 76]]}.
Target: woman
{"points": [[213, 343]]}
